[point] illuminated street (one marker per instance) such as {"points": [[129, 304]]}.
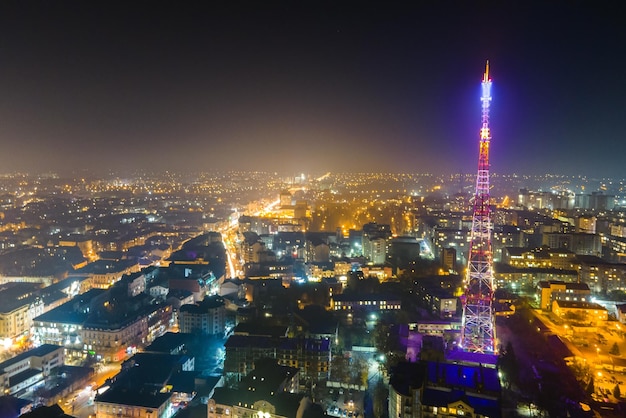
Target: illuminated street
{"points": [[80, 403], [313, 209]]}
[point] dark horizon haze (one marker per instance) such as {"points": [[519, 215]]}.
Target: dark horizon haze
{"points": [[311, 87]]}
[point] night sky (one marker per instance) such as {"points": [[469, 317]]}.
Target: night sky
{"points": [[311, 86]]}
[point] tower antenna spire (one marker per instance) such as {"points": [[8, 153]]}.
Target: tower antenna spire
{"points": [[486, 75], [478, 331]]}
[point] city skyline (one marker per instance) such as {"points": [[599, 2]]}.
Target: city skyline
{"points": [[310, 88]]}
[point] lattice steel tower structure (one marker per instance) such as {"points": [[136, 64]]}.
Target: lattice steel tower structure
{"points": [[478, 333]]}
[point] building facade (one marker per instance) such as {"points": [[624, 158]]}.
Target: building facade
{"points": [[311, 356], [30, 367], [207, 317]]}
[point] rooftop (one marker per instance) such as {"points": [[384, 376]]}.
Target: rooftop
{"points": [[106, 267], [258, 328], [18, 295], [207, 304], [168, 342], [133, 397], [481, 405], [365, 297], [407, 376], [23, 376], [267, 377], [40, 351], [306, 344], [572, 286], [570, 304], [286, 404], [468, 377]]}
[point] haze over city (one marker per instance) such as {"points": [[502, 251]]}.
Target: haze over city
{"points": [[313, 210], [315, 87]]}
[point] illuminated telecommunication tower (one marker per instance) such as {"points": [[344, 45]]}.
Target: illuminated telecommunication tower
{"points": [[478, 332]]}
